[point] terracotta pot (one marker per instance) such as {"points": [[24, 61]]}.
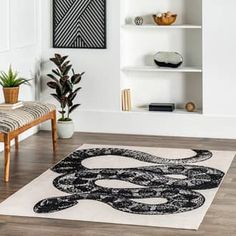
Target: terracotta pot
{"points": [[11, 95]]}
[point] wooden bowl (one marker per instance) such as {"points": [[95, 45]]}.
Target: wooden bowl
{"points": [[164, 20]]}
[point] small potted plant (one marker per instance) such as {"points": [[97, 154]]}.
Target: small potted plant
{"points": [[11, 84], [64, 81]]}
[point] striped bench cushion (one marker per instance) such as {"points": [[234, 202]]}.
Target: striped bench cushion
{"points": [[11, 120]]}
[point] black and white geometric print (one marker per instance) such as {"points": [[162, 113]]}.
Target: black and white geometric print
{"points": [[158, 181], [79, 24]]}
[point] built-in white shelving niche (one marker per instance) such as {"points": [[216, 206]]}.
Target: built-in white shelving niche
{"points": [[149, 83]]}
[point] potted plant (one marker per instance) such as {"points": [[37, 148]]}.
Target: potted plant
{"points": [[11, 84], [64, 81]]}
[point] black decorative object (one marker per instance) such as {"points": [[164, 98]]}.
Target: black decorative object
{"points": [[159, 181], [169, 107], [79, 24], [138, 20], [168, 59]]}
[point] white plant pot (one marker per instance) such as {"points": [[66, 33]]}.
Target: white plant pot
{"points": [[65, 129]]}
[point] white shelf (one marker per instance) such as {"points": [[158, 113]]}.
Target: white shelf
{"points": [[175, 112], [184, 69], [150, 26]]}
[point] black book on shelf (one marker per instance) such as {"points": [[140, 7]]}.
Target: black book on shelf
{"points": [[167, 107]]}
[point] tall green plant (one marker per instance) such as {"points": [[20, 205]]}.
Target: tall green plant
{"points": [[64, 81], [11, 79]]}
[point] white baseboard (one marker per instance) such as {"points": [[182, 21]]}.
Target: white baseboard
{"points": [[160, 124]]}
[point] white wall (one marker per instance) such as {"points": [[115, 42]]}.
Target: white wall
{"points": [[219, 57], [19, 43], [26, 39], [101, 84], [100, 97]]}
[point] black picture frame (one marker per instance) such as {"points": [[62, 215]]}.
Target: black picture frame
{"points": [[103, 24]]}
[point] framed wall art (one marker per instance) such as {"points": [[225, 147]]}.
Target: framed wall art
{"points": [[79, 24]]}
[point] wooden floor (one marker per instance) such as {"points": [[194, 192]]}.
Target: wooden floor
{"points": [[35, 156]]}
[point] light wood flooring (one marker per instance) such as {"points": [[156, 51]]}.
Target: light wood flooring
{"points": [[35, 156]]}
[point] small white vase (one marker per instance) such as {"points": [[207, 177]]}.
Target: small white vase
{"points": [[65, 129]]}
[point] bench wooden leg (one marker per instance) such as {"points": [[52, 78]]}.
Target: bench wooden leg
{"points": [[54, 131], [7, 150], [17, 143]]}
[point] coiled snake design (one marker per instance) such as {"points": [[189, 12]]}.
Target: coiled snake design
{"points": [[156, 182]]}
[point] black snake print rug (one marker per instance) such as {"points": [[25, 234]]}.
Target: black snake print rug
{"points": [[157, 181]]}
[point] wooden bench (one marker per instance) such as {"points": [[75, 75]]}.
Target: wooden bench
{"points": [[15, 122]]}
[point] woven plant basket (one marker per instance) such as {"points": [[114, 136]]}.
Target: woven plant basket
{"points": [[11, 95]]}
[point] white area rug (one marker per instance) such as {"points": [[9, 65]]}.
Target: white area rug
{"points": [[126, 185]]}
